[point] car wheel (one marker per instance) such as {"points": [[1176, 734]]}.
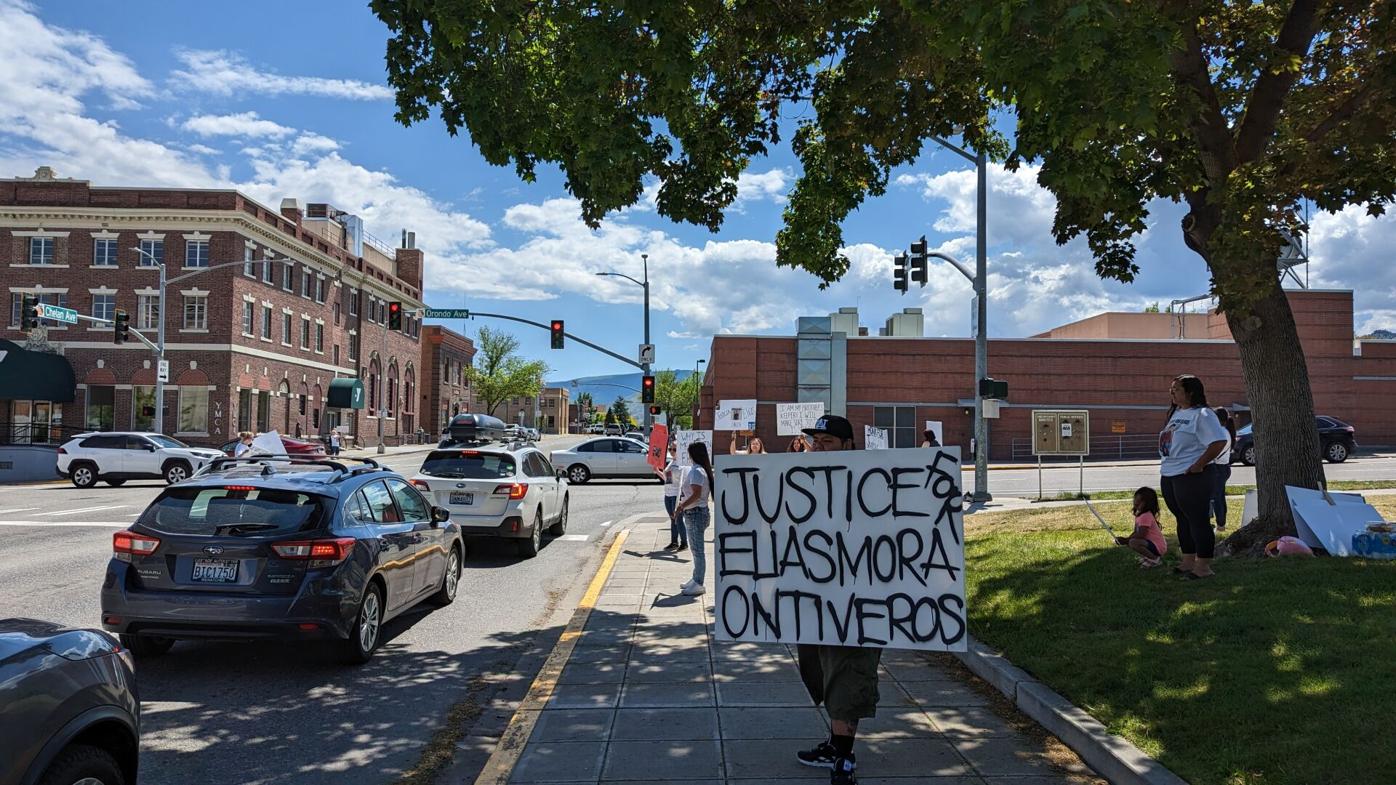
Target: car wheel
{"points": [[115, 483], [1337, 452], [83, 764], [83, 475], [147, 645], [368, 623], [1248, 457], [560, 528], [450, 581], [578, 474], [176, 471], [534, 543]]}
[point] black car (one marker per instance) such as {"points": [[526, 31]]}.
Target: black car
{"points": [[69, 712], [1337, 440], [467, 429], [266, 548]]}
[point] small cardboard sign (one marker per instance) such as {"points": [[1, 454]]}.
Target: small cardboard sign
{"points": [[874, 438], [793, 418], [736, 415], [684, 438], [659, 446]]}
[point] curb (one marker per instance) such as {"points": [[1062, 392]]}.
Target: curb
{"points": [[1114, 758]]}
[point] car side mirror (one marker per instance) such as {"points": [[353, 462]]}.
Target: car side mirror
{"points": [[440, 515], [150, 448]]}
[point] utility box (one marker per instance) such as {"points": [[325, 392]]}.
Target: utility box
{"points": [[1061, 432]]}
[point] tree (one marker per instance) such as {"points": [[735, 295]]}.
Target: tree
{"points": [[1151, 308], [619, 412], [676, 397], [1239, 110], [499, 374]]}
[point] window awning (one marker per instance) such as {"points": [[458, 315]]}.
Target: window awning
{"points": [[345, 393], [34, 376]]}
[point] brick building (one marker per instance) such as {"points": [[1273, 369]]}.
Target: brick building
{"points": [[548, 412], [1117, 366], [251, 346], [446, 391]]}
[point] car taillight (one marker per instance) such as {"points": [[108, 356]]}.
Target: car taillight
{"points": [[125, 544], [62, 451], [516, 490], [421, 484], [320, 553]]}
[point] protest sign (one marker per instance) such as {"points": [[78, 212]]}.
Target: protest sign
{"points": [[659, 447], [874, 438], [739, 415], [793, 418], [684, 438], [268, 443], [843, 548]]}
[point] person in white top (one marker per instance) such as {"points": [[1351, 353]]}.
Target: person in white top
{"points": [[693, 507], [244, 444], [1222, 468], [1187, 446], [673, 476]]}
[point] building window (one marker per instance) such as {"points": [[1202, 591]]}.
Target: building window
{"points": [[264, 411], [101, 411], [336, 354], [288, 277], [353, 302], [268, 269], [244, 410], [246, 317], [103, 306], [147, 312], [266, 322], [900, 424], [152, 253], [319, 290], [305, 333], [196, 253], [248, 268], [286, 328], [142, 408], [193, 410], [301, 403], [307, 284], [103, 253], [392, 396], [319, 339], [41, 250], [353, 346], [195, 312], [336, 314]]}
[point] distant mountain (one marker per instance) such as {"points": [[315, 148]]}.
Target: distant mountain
{"points": [[1380, 335], [605, 389]]}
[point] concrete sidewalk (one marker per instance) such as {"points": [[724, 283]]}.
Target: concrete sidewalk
{"points": [[648, 695]]}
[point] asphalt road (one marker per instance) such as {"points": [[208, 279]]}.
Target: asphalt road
{"points": [[273, 713]]}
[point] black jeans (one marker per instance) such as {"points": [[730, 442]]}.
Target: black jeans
{"points": [[1188, 497], [1220, 474]]}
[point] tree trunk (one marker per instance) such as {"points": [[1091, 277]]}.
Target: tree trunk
{"points": [[1282, 408]]}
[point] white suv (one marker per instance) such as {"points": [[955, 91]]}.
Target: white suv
{"points": [[115, 457], [506, 491]]}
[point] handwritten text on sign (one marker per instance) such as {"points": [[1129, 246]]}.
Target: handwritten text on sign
{"points": [[852, 548], [792, 418]]}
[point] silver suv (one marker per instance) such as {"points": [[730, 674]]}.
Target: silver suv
{"points": [[115, 457]]}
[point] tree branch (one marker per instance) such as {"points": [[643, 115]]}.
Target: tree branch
{"points": [[1343, 111], [1209, 126], [1270, 90]]}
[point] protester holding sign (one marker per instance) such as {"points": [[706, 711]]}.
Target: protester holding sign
{"points": [[693, 507], [798, 444], [673, 475], [1189, 443], [753, 447]]}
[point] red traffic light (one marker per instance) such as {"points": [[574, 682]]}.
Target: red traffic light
{"points": [[647, 389], [559, 334]]}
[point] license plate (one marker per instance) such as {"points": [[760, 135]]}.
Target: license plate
{"points": [[215, 570], [460, 497]]}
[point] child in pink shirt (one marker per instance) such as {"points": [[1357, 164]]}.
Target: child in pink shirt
{"points": [[1147, 538]]}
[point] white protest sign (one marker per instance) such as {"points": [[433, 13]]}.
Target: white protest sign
{"points": [[793, 418], [874, 438], [739, 415], [268, 443], [935, 426], [684, 438], [1326, 524], [844, 548]]}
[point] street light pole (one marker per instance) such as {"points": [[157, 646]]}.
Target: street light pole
{"points": [[981, 333], [645, 284], [697, 401]]}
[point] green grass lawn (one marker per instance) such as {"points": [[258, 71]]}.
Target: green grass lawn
{"points": [[1231, 490], [1275, 672]]}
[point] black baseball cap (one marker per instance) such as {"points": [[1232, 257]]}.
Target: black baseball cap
{"points": [[833, 425]]}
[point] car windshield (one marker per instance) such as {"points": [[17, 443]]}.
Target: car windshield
{"points": [[468, 465], [165, 441], [1244, 430], [234, 510]]}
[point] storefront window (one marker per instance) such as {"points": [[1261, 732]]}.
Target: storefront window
{"points": [[193, 410], [263, 411], [142, 408], [101, 407], [244, 410]]}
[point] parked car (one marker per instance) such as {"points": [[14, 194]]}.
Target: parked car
{"points": [[1337, 440], [638, 436], [499, 492], [596, 428], [293, 447], [311, 550], [605, 457], [472, 429], [69, 712], [533, 434], [612, 430], [115, 457]]}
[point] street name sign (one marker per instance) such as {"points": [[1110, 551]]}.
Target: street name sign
{"points": [[447, 313], [58, 314]]}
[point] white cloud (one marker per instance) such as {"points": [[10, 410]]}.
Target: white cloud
{"points": [[227, 73], [1353, 250], [770, 185], [242, 124], [313, 143], [203, 149]]}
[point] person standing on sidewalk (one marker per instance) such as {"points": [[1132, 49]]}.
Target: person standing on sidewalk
{"points": [[1187, 446], [673, 475], [693, 507], [843, 678], [1222, 468]]}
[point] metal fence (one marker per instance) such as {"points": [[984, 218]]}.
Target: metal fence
{"points": [[37, 433], [1114, 447]]}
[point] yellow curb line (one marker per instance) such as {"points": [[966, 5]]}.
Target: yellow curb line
{"points": [[500, 767]]}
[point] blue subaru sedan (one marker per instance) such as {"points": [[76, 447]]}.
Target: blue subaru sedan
{"points": [[280, 547]]}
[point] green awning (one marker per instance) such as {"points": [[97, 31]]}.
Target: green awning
{"points": [[345, 393], [34, 376]]}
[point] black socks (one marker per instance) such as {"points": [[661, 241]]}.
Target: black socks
{"points": [[843, 745]]}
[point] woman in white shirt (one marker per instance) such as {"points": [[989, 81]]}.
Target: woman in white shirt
{"points": [[693, 507], [673, 476], [1187, 446]]}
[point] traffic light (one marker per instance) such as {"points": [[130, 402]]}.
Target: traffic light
{"points": [[919, 261], [29, 317], [395, 316], [654, 411], [558, 333], [121, 327], [899, 273], [647, 390], [993, 389]]}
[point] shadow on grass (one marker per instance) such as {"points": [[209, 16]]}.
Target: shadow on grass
{"points": [[1273, 672]]}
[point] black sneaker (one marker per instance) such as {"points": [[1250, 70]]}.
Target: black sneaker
{"points": [[844, 773], [821, 757]]}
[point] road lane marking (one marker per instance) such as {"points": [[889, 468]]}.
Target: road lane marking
{"points": [[608, 523], [58, 524], [17, 509], [87, 509], [573, 538], [500, 767]]}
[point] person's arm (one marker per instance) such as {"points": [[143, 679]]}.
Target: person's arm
{"points": [[1210, 454]]}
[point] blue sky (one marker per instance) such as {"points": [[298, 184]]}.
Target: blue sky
{"points": [[289, 99]]}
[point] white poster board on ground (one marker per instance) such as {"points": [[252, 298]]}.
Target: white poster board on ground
{"points": [[936, 427], [793, 418], [684, 438], [874, 438], [738, 415], [850, 548], [1326, 525]]}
